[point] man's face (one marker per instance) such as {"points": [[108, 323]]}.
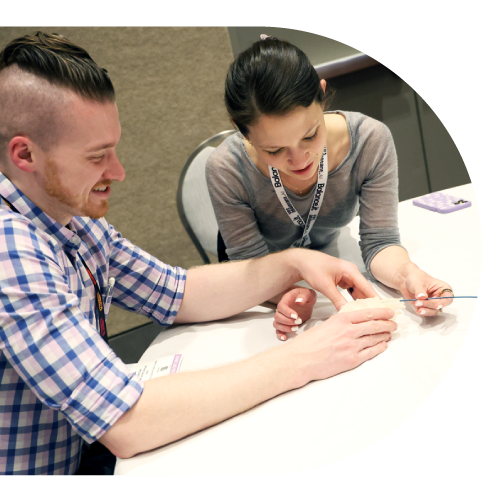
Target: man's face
{"points": [[77, 173]]}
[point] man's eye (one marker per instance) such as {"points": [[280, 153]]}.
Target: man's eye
{"points": [[97, 158]]}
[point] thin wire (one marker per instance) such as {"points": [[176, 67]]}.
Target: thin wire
{"points": [[446, 297]]}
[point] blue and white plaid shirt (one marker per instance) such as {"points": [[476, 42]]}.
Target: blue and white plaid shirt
{"points": [[60, 383]]}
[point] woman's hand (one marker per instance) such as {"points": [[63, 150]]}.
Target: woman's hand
{"points": [[417, 284], [294, 308]]}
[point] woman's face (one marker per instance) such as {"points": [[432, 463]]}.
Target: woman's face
{"points": [[292, 143]]}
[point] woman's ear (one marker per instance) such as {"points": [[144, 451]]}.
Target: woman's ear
{"points": [[323, 85], [234, 125]]}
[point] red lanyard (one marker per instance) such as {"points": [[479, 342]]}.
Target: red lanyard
{"points": [[99, 303]]}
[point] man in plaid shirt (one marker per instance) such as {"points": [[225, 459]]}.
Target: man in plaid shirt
{"points": [[61, 386]]}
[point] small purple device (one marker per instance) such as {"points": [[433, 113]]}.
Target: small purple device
{"points": [[441, 203]]}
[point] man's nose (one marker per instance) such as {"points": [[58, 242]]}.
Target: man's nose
{"points": [[115, 169]]}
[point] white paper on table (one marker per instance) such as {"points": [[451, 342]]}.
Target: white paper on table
{"points": [[157, 368]]}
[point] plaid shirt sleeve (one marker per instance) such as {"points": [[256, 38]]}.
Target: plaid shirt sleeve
{"points": [[50, 342], [144, 284], [59, 380]]}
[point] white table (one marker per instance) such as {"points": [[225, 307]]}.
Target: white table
{"points": [[330, 419]]}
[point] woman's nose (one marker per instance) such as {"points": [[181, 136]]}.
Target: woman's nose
{"points": [[298, 158]]}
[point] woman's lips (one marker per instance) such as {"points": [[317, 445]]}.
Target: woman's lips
{"points": [[305, 170]]}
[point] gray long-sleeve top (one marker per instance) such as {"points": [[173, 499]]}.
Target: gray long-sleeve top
{"points": [[253, 222]]}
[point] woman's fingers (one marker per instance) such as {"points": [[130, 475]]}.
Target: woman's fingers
{"points": [[293, 309], [294, 299], [284, 325], [432, 307]]}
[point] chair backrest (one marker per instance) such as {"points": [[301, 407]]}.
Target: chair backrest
{"points": [[193, 200]]}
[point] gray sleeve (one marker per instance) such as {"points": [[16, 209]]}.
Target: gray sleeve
{"points": [[231, 202], [378, 202]]}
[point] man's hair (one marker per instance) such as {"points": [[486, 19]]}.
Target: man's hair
{"points": [[37, 72], [60, 62]]}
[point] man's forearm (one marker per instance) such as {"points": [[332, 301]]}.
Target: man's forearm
{"points": [[221, 290], [178, 405]]}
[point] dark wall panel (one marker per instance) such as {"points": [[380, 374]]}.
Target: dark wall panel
{"points": [[379, 93]]}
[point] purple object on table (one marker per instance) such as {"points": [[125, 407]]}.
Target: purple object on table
{"points": [[441, 203]]}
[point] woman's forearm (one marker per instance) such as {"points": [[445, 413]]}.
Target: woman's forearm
{"points": [[391, 266]]}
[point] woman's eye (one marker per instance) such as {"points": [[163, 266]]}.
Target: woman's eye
{"points": [[311, 137], [272, 153]]}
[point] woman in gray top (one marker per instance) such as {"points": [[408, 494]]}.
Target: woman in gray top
{"points": [[294, 175]]}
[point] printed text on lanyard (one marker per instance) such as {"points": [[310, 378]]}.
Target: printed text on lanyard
{"points": [[295, 217]]}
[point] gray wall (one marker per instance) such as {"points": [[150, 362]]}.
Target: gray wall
{"points": [[428, 159], [318, 49], [169, 87]]}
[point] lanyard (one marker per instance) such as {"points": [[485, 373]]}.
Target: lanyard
{"points": [[99, 303], [295, 217]]}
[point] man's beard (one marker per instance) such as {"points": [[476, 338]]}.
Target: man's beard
{"points": [[54, 187]]}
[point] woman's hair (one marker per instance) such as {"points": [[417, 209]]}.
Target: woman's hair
{"points": [[272, 77]]}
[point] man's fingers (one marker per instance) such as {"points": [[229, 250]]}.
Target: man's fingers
{"points": [[371, 352], [362, 286], [382, 313], [335, 297], [375, 327], [371, 340]]}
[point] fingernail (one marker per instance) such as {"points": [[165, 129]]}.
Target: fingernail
{"points": [[295, 328], [298, 321], [419, 304], [420, 295], [283, 337], [351, 289], [299, 299], [439, 307], [294, 315], [422, 311]]}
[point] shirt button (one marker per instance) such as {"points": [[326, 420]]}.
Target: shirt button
{"points": [[75, 239]]}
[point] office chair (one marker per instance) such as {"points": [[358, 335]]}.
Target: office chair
{"points": [[193, 200]]}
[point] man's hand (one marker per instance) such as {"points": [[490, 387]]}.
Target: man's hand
{"points": [[182, 403], [222, 290], [342, 342], [324, 273]]}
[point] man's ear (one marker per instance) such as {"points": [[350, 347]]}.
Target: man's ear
{"points": [[21, 151]]}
